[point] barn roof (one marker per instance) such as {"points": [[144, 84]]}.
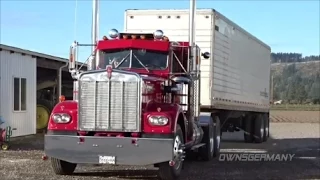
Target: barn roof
{"points": [[33, 53]]}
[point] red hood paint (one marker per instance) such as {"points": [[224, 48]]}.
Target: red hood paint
{"points": [[70, 107], [160, 74], [155, 45]]}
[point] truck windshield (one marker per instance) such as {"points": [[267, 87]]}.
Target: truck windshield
{"points": [[134, 59]]}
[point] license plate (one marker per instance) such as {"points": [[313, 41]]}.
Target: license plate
{"points": [[107, 160]]}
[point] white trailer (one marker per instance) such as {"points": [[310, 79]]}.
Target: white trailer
{"points": [[236, 77]]}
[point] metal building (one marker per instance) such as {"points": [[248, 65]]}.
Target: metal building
{"points": [[18, 91], [29, 88]]}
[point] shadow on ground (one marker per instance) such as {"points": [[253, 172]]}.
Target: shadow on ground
{"points": [[27, 143], [124, 174], [304, 165]]}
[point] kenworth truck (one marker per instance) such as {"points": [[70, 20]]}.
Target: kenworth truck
{"points": [[142, 101]]}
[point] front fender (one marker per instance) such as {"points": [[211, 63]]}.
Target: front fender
{"points": [[69, 107], [172, 111]]}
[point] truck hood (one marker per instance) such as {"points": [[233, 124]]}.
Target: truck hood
{"points": [[146, 77]]}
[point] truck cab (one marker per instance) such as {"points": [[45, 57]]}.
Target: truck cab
{"points": [[142, 96]]}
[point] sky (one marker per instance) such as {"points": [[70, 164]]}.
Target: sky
{"points": [[49, 26]]}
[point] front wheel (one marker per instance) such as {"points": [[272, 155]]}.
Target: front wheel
{"points": [[62, 167], [172, 170]]}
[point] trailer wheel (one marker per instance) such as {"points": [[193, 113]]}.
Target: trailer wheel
{"points": [[62, 167], [206, 152], [169, 171], [266, 127], [217, 136], [43, 113], [248, 129], [259, 128]]}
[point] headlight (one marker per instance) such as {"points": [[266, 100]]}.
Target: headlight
{"points": [[61, 118], [158, 120]]}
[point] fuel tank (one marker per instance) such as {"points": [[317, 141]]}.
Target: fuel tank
{"points": [[197, 134]]}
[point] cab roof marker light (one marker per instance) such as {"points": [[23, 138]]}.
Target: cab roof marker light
{"points": [[142, 37], [158, 34], [113, 33]]}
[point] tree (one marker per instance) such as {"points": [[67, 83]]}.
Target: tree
{"points": [[314, 93], [301, 94], [281, 57]]}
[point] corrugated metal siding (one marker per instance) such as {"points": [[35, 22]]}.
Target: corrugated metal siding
{"points": [[241, 66], [22, 66]]}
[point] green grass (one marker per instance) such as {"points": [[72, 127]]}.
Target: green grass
{"points": [[296, 107]]}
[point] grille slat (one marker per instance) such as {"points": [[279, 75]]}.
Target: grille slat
{"points": [[109, 105]]}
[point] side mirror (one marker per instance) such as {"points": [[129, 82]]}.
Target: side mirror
{"points": [[72, 58], [205, 55]]}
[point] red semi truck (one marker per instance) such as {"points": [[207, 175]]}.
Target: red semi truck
{"points": [[139, 104], [130, 110]]}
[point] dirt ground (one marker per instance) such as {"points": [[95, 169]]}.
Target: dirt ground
{"points": [[295, 116], [23, 161]]}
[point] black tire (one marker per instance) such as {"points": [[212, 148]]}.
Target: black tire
{"points": [[217, 136], [266, 127], [248, 129], [167, 172], [206, 152], [258, 128], [62, 167]]}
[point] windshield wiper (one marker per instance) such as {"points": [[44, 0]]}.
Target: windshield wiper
{"points": [[140, 62], [121, 60]]}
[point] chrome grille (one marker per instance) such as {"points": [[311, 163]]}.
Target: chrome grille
{"points": [[110, 105]]}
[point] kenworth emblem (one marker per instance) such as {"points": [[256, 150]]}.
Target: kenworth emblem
{"points": [[109, 71]]}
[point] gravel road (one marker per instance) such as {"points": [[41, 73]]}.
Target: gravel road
{"points": [[294, 138]]}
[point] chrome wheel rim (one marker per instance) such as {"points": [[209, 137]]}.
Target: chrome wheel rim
{"points": [[262, 130], [177, 152], [211, 142], [218, 140]]}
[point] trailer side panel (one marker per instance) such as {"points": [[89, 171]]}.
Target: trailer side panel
{"points": [[241, 68], [237, 75]]}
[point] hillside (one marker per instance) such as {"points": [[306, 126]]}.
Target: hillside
{"points": [[306, 69], [296, 83]]}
